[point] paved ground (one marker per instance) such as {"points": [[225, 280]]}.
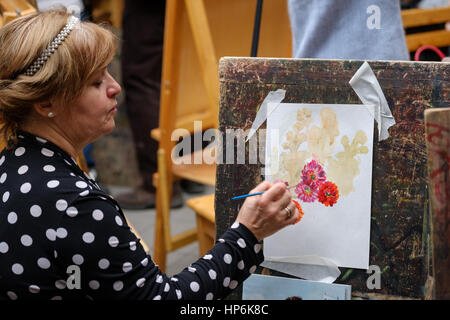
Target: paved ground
{"points": [[181, 219]]}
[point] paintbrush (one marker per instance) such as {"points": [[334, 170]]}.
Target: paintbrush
{"points": [[255, 194]]}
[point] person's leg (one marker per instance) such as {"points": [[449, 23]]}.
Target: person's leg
{"points": [[143, 34]]}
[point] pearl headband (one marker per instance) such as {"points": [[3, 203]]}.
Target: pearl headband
{"points": [[39, 62]]}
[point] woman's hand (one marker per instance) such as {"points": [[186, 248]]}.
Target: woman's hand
{"points": [[265, 214]]}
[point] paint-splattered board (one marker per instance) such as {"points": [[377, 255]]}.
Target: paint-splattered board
{"points": [[400, 233]]}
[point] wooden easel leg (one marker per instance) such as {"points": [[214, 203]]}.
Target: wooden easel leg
{"points": [[201, 33], [168, 98], [160, 254]]}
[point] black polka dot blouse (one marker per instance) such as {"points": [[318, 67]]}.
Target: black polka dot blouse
{"points": [[62, 237]]}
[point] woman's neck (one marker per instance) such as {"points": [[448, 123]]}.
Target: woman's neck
{"points": [[54, 134]]}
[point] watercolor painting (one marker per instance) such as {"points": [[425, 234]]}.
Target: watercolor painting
{"points": [[262, 287], [324, 154]]}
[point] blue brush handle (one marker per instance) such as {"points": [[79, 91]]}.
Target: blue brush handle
{"points": [[247, 195]]}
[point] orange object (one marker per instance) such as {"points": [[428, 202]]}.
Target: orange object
{"points": [[299, 210], [328, 193]]}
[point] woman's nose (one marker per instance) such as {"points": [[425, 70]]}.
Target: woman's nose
{"points": [[114, 89]]}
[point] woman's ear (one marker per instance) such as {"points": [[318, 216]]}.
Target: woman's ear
{"points": [[44, 109]]}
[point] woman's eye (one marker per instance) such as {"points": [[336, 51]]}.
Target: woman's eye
{"points": [[98, 83]]}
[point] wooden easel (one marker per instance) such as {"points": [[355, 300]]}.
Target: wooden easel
{"points": [[197, 33]]}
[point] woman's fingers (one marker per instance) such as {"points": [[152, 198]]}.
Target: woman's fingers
{"points": [[275, 193]]}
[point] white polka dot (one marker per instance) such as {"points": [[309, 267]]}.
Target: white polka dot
{"points": [[226, 281], [113, 241], [132, 245], [118, 221], [19, 151], [50, 234], [118, 285], [127, 266], [25, 188], [11, 295], [22, 170], [194, 286], [34, 288], [221, 240], [4, 247], [49, 168], [241, 265], [61, 233], [158, 297], [26, 240], [12, 217], [97, 214], [103, 263], [42, 140], [212, 274], [144, 262], [257, 248], [227, 258], [56, 298], [72, 211], [233, 284], [235, 225], [52, 184], [140, 282], [78, 259], [60, 284], [35, 211], [5, 196], [61, 205], [43, 263], [167, 287], [3, 177], [209, 296], [46, 152], [84, 193], [241, 243], [94, 284], [81, 184], [179, 295], [252, 269], [88, 237], [2, 159], [17, 268], [159, 278], [191, 269], [207, 256]]}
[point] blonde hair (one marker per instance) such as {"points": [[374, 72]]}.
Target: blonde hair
{"points": [[87, 49]]}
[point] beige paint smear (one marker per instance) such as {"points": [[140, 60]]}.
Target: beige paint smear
{"points": [[321, 142]]}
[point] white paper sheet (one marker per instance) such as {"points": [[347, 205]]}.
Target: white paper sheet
{"points": [[340, 139]]}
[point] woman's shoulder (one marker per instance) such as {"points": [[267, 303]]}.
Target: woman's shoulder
{"points": [[39, 171]]}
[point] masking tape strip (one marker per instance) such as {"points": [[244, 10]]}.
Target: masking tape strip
{"points": [[262, 114], [366, 86], [306, 267]]}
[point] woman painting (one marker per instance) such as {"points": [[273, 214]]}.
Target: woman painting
{"points": [[56, 96]]}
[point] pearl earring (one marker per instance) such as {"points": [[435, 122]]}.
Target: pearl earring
{"points": [[50, 114]]}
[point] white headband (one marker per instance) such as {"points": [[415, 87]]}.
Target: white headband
{"points": [[39, 62]]}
